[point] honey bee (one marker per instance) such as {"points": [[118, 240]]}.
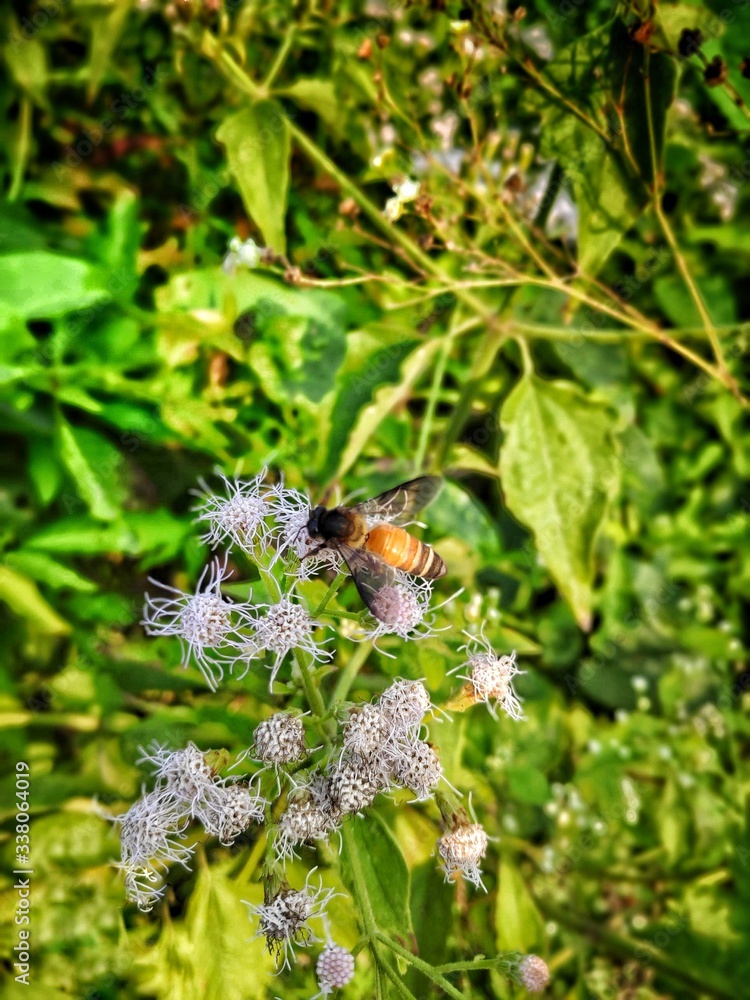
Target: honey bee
{"points": [[372, 540]]}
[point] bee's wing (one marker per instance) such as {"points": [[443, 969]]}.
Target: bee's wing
{"points": [[399, 505], [369, 572]]}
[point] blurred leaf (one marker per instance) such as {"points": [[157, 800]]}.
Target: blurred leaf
{"points": [[45, 570], [40, 285], [519, 924], [94, 479], [27, 63], [257, 145], [319, 95], [23, 598], [378, 864], [45, 470], [106, 30], [559, 473]]}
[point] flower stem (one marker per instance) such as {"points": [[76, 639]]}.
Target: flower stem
{"points": [[422, 966], [349, 673], [330, 593]]}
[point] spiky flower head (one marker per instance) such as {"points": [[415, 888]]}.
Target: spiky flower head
{"points": [[366, 730], [334, 968], [187, 773], [533, 973], [230, 810], [280, 739], [241, 517], [309, 815], [418, 768], [462, 850], [490, 676], [206, 623], [284, 920], [353, 785], [403, 705], [400, 608], [285, 626]]}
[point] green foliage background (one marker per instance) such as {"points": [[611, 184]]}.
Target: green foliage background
{"points": [[584, 401]]}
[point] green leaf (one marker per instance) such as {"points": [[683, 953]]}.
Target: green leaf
{"points": [[319, 95], [106, 30], [28, 66], [41, 285], [373, 862], [559, 472], [45, 570], [94, 479], [258, 150], [23, 598], [45, 470], [519, 924]]}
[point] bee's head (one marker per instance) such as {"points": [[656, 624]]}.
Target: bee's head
{"points": [[313, 525]]}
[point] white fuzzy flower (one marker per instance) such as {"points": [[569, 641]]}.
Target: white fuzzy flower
{"points": [[393, 209], [152, 835], [205, 622], [418, 768], [403, 705], [186, 772], [309, 815], [400, 609], [284, 921], [279, 740], [490, 676], [366, 730], [462, 849], [241, 517], [229, 810], [532, 973], [353, 785], [283, 627]]}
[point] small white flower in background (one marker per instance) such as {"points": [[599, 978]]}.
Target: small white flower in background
{"points": [[406, 190], [490, 676], [242, 253], [393, 209], [334, 969], [279, 740], [462, 850], [241, 516], [284, 921], [400, 609], [285, 626], [532, 973], [204, 621]]}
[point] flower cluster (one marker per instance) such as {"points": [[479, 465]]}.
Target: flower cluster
{"points": [[268, 523], [153, 831], [380, 749], [488, 677]]}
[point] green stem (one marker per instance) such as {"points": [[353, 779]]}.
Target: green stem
{"points": [[212, 49], [314, 698], [280, 56], [349, 673], [22, 149], [329, 594], [397, 982], [421, 966], [429, 415]]}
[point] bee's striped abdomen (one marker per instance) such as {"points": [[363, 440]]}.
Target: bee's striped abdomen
{"points": [[403, 551]]}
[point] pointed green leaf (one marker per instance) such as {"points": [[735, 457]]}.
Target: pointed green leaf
{"points": [[559, 472], [93, 479], [23, 598], [257, 145], [373, 863]]}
